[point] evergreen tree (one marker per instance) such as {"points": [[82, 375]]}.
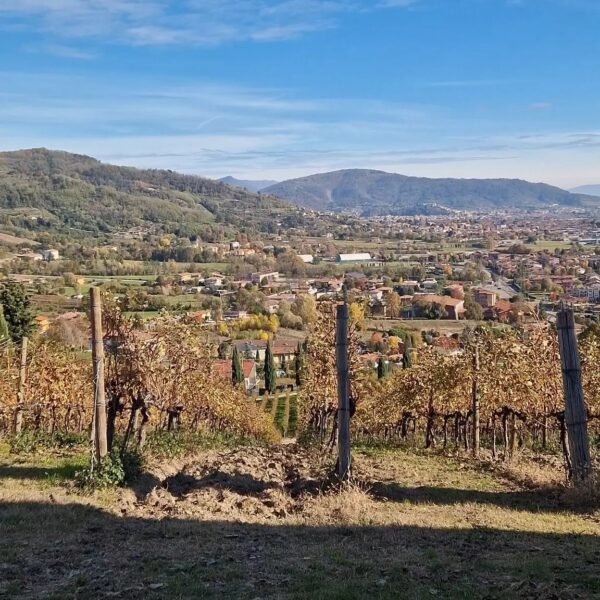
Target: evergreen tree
{"points": [[237, 369], [406, 354], [406, 359], [4, 334], [270, 374], [299, 364], [382, 368], [16, 308]]}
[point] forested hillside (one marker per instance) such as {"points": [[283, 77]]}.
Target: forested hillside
{"points": [[68, 193], [368, 192]]}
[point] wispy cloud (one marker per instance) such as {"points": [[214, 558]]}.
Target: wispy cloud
{"points": [[63, 51], [214, 129], [466, 83], [168, 22]]}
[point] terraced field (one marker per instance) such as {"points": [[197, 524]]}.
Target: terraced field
{"points": [[284, 410]]}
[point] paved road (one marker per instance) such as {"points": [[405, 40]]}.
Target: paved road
{"points": [[502, 286]]}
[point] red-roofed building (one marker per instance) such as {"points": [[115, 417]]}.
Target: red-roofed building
{"points": [[223, 368], [455, 309]]}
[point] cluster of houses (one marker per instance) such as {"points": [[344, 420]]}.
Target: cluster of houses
{"points": [[47, 255], [572, 277]]}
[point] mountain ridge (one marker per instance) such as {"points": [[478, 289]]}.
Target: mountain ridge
{"points": [[370, 192]]}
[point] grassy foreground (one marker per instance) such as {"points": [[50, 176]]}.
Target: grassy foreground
{"points": [[418, 526]]}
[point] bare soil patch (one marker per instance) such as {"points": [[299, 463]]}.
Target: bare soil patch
{"points": [[247, 484]]}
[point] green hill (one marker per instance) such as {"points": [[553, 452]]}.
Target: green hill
{"points": [[68, 193], [368, 192]]}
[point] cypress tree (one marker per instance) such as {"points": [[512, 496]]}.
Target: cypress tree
{"points": [[237, 369], [406, 353], [299, 364], [16, 308], [382, 370], [4, 335], [270, 375], [406, 360]]}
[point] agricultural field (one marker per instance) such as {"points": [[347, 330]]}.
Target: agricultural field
{"points": [[445, 327], [549, 245], [264, 522], [201, 267], [11, 240], [284, 411]]}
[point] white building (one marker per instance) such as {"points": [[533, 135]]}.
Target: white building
{"points": [[268, 277], [50, 254], [590, 292], [357, 257], [215, 282], [429, 284]]}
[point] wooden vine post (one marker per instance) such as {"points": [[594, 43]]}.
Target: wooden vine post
{"points": [[18, 422], [575, 412], [99, 422], [475, 404], [343, 386]]}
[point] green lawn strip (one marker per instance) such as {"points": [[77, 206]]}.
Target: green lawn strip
{"points": [[280, 412], [293, 417], [274, 406], [285, 422]]}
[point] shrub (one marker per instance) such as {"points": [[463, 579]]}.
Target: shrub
{"points": [[109, 473]]}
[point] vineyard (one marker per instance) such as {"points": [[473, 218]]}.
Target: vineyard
{"points": [[161, 379], [253, 517], [515, 373], [158, 380]]}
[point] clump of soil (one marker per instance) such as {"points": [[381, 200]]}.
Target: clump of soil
{"points": [[245, 484]]}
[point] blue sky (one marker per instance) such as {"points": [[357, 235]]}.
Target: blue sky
{"points": [[283, 88]]}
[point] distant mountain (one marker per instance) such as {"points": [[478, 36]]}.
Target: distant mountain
{"points": [[247, 184], [590, 190], [78, 195], [371, 193]]}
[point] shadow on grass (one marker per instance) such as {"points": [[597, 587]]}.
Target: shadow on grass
{"points": [[66, 471], [532, 500], [68, 551]]}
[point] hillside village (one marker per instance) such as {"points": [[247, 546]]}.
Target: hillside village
{"points": [[404, 278]]}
